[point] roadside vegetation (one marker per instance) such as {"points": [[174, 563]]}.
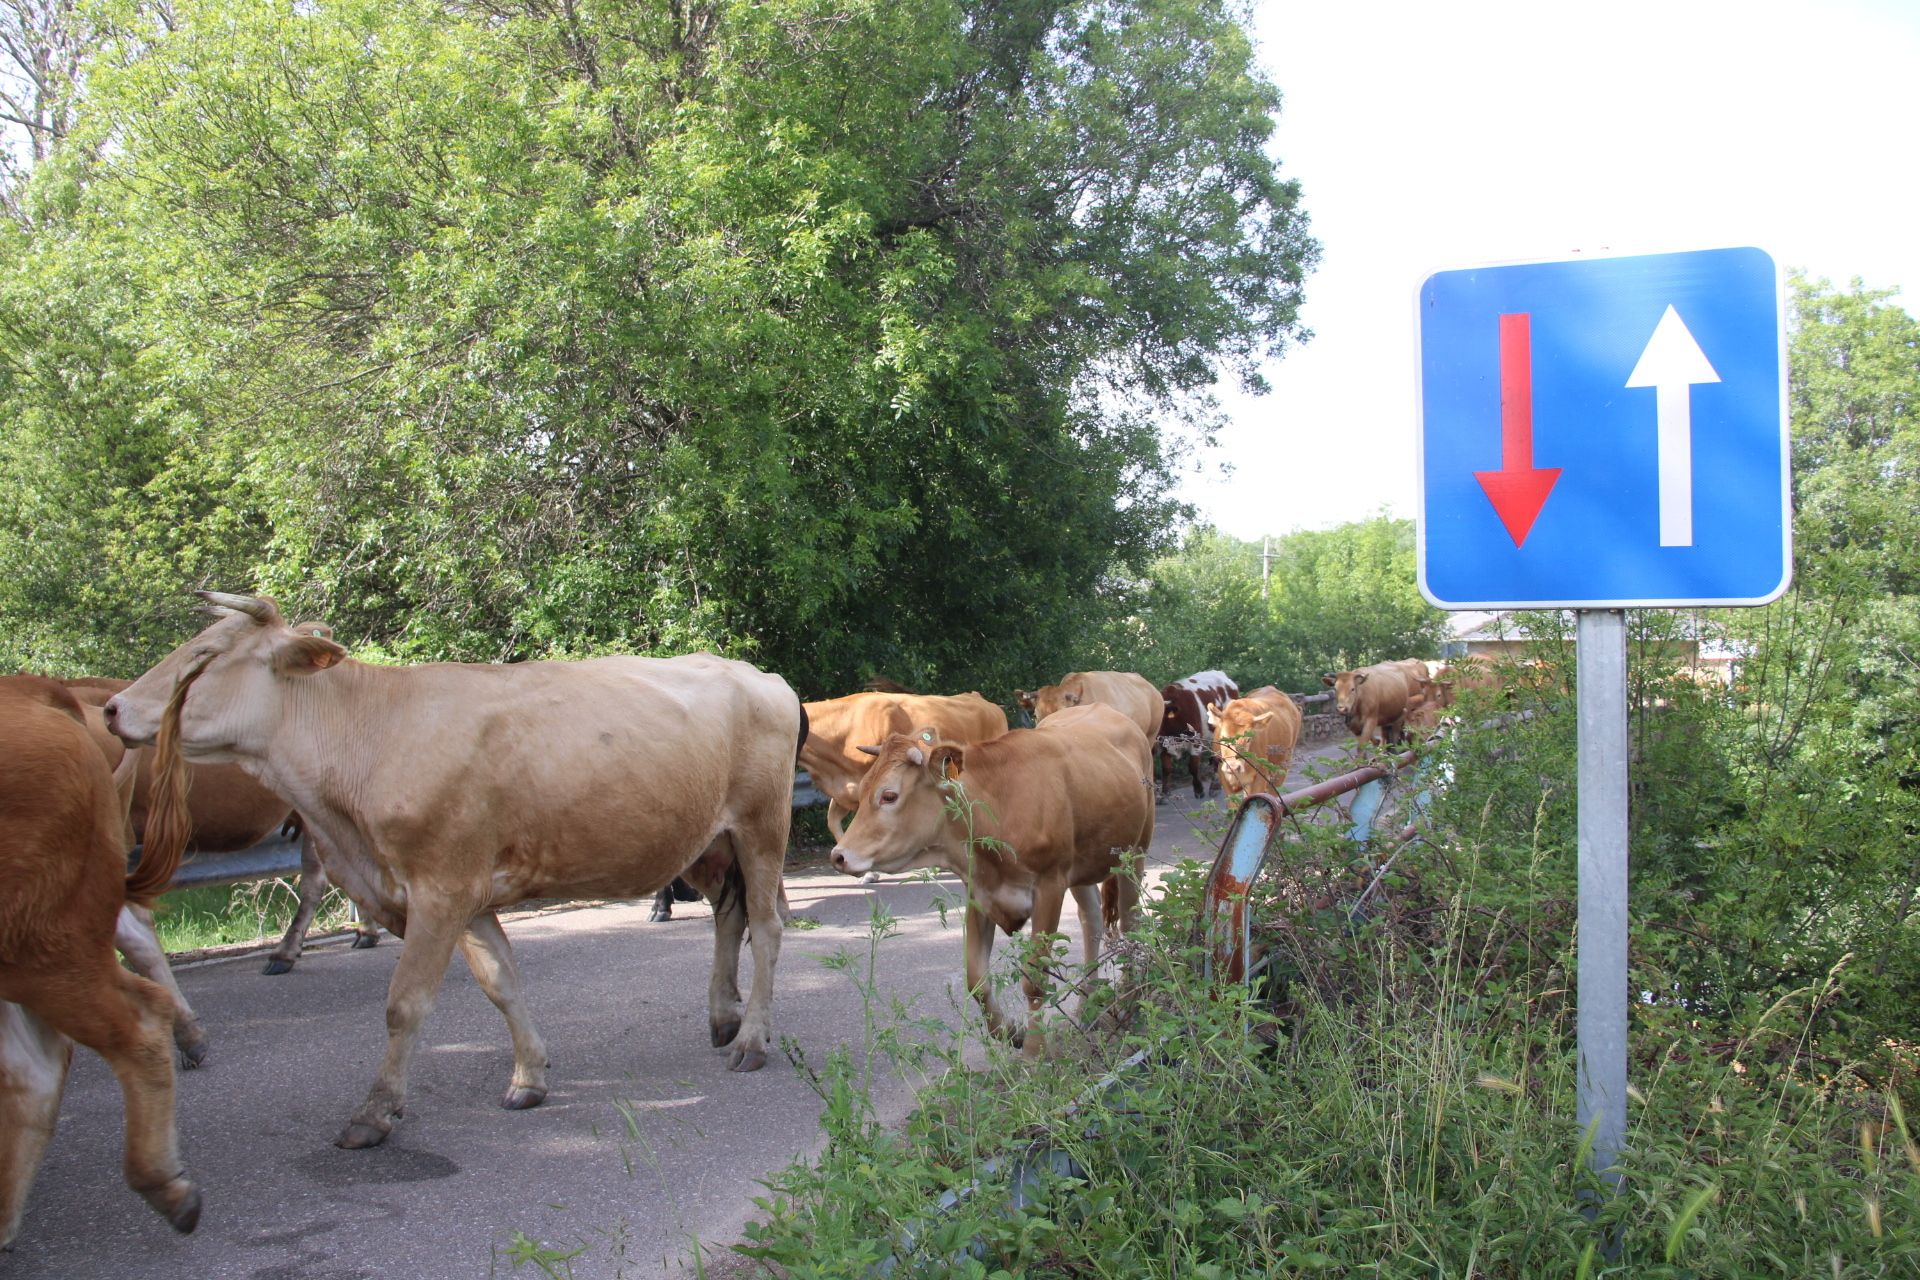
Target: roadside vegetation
{"points": [[221, 915]]}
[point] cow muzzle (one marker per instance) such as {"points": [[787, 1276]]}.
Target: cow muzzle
{"points": [[125, 726], [851, 863]]}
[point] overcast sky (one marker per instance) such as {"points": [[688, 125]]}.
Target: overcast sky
{"points": [[1427, 136]]}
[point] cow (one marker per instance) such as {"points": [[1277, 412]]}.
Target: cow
{"points": [[1255, 737], [1043, 812], [1182, 731], [63, 866], [1127, 692], [1374, 700], [837, 727], [447, 791]]}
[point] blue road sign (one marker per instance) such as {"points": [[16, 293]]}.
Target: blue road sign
{"points": [[1604, 433]]}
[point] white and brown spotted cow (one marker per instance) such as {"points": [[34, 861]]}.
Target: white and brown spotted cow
{"points": [[1184, 732]]}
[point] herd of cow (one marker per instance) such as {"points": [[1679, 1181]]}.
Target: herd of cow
{"points": [[436, 795]]}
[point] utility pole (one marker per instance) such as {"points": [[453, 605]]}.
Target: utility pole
{"points": [[1266, 563]]}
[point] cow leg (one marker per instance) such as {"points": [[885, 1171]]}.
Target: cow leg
{"points": [[125, 1018], [313, 888], [662, 906], [760, 852], [1164, 772], [491, 958], [1048, 898], [433, 927], [723, 985], [979, 944], [33, 1074], [1197, 766], [1086, 899], [135, 939]]}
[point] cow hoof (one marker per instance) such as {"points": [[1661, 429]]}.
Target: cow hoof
{"points": [[193, 1052], [276, 966], [178, 1202], [359, 1135], [656, 915], [724, 1032], [521, 1098], [187, 1216], [361, 941], [872, 877], [746, 1060]]}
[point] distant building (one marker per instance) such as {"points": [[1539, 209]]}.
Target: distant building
{"points": [[1498, 634]]}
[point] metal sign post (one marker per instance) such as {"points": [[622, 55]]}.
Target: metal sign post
{"points": [[1602, 992], [1598, 434]]}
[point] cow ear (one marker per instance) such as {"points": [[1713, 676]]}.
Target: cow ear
{"points": [[868, 751], [1327, 681], [948, 759], [302, 655], [1024, 697], [1263, 717], [1359, 678]]}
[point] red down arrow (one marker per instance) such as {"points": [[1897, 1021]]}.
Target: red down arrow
{"points": [[1517, 490]]}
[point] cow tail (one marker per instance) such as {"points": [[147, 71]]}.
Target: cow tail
{"points": [[168, 821], [733, 891], [805, 726]]}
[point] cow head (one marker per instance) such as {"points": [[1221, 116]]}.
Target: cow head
{"points": [[902, 818], [227, 685], [1233, 726], [1049, 698], [1344, 685]]}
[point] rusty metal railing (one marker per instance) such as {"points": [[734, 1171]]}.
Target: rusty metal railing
{"points": [[1256, 828]]}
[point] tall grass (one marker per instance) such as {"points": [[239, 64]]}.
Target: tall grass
{"points": [[1414, 1117], [255, 911]]}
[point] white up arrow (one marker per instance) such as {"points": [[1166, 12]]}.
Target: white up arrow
{"points": [[1671, 364]]}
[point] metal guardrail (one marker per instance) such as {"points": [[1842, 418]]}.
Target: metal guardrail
{"points": [[278, 856]]}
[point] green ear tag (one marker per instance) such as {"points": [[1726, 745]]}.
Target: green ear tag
{"points": [[926, 735]]}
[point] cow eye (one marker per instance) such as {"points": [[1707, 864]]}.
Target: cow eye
{"points": [[889, 796]]}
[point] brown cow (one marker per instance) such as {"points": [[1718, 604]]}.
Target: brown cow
{"points": [[838, 727], [1183, 729], [64, 867], [1045, 812], [1373, 699], [444, 792], [1255, 737], [1127, 692]]}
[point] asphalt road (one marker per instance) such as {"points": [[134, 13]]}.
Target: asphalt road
{"points": [[645, 1144]]}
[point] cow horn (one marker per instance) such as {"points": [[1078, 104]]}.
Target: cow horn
{"points": [[259, 608], [868, 751]]}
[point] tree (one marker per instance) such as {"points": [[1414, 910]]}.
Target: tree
{"points": [[833, 335]]}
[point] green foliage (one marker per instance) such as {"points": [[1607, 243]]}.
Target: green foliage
{"points": [[517, 333], [1334, 599]]}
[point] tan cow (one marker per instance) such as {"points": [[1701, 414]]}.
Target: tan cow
{"points": [[1255, 737], [64, 867], [1043, 812], [446, 791], [1374, 700], [1127, 692], [838, 727]]}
